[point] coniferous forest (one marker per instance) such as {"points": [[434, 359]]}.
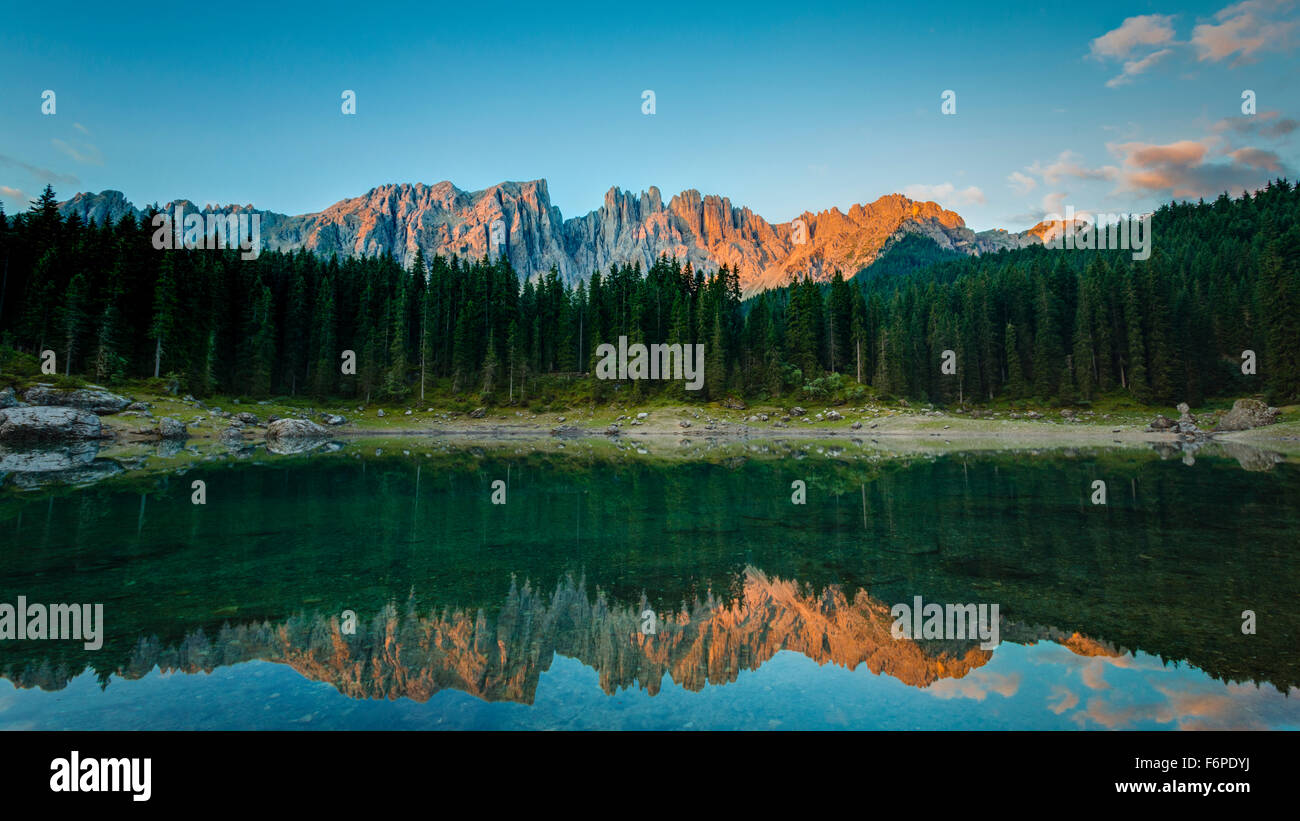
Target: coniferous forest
{"points": [[1037, 324]]}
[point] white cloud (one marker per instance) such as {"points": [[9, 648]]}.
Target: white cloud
{"points": [[83, 153], [945, 193], [1067, 164], [1023, 183], [42, 174], [1132, 68], [1054, 203]]}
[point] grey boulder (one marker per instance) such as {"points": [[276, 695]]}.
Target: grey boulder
{"points": [[89, 399], [171, 428], [286, 436], [1247, 414], [288, 429]]}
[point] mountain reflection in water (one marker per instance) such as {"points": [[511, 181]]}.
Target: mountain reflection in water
{"points": [[737, 579]]}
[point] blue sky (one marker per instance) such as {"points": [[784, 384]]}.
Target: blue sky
{"points": [[1102, 106]]}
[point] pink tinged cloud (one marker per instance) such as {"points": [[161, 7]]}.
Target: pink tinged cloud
{"points": [[1068, 700], [1183, 152], [1068, 164], [1094, 676], [1182, 168], [1244, 29], [976, 686], [1108, 715], [1269, 124], [1257, 158]]}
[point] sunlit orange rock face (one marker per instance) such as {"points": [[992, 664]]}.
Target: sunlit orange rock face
{"points": [[706, 230]]}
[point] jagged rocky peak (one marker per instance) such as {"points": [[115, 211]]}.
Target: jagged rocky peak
{"points": [[706, 230], [106, 207]]}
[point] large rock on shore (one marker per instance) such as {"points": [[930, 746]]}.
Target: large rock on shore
{"points": [[290, 429], [48, 424], [1247, 414], [94, 400], [1161, 423], [287, 436], [172, 428]]}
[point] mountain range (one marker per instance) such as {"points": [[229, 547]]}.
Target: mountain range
{"points": [[706, 230]]}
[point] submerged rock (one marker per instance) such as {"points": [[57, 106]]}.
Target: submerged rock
{"points": [[167, 448], [79, 475], [285, 447], [37, 459], [48, 424]]}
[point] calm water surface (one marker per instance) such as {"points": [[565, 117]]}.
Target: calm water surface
{"points": [[765, 614]]}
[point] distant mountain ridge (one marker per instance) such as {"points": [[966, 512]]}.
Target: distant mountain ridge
{"points": [[706, 230]]}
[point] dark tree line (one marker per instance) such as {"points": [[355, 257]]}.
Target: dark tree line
{"points": [[1062, 326]]}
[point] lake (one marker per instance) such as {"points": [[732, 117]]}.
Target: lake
{"points": [[378, 585]]}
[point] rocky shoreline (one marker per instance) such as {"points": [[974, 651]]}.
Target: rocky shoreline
{"points": [[52, 434]]}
